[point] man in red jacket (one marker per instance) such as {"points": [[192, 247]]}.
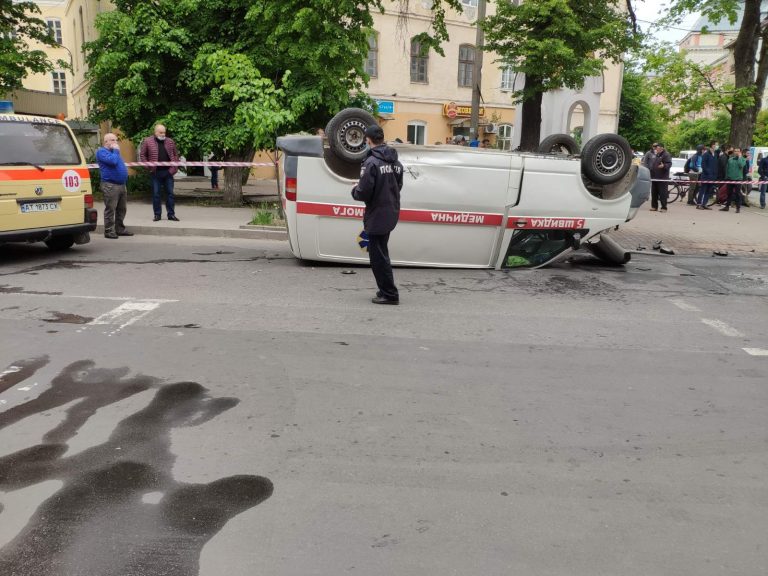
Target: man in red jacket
{"points": [[158, 148]]}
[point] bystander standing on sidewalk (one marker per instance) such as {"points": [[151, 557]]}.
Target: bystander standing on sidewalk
{"points": [[114, 176], [693, 169], [708, 172], [159, 148], [649, 157], [662, 162], [735, 172], [762, 170]]}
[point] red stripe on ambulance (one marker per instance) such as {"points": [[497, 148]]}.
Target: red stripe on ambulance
{"points": [[426, 216], [546, 223]]}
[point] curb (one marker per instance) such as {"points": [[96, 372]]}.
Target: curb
{"points": [[250, 233]]}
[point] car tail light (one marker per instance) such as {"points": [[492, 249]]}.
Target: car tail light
{"points": [[88, 200], [290, 189], [93, 216]]}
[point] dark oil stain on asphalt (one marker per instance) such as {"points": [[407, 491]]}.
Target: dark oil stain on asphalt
{"points": [[99, 522], [5, 289], [177, 326], [64, 318]]}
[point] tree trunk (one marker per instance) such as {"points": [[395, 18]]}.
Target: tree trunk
{"points": [[745, 56], [530, 131], [233, 177]]}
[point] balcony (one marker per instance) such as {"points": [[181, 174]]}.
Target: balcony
{"points": [[37, 103]]}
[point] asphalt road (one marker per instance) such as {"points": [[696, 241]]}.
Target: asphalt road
{"points": [[175, 406]]}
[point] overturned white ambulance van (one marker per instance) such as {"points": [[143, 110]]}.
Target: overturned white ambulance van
{"points": [[463, 207]]}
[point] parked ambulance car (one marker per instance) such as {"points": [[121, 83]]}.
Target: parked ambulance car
{"points": [[45, 189], [463, 207]]}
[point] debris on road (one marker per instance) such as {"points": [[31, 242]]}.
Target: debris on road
{"points": [[665, 250], [348, 272], [719, 253]]}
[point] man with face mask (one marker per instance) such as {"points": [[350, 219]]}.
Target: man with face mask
{"points": [[159, 148]]}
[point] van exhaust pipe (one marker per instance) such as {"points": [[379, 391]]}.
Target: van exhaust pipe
{"points": [[609, 251]]}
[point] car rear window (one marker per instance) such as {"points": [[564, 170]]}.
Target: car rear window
{"points": [[37, 143]]}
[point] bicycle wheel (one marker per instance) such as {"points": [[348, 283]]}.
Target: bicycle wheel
{"points": [[676, 192]]}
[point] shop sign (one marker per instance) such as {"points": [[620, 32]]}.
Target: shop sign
{"points": [[386, 106], [453, 110]]}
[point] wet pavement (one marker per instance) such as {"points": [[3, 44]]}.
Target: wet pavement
{"points": [[193, 406]]}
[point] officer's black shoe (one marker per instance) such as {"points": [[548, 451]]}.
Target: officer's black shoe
{"points": [[382, 300]]}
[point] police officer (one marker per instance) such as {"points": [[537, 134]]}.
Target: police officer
{"points": [[381, 179]]}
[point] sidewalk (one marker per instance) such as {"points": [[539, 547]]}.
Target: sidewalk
{"points": [[196, 221], [691, 231], [200, 187], [683, 228]]}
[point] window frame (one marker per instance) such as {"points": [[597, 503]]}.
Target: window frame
{"points": [[55, 28], [507, 74], [373, 48], [59, 77], [420, 58], [466, 66], [505, 143], [470, 3], [417, 124]]}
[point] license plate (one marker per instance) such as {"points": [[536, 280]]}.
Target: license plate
{"points": [[40, 207]]}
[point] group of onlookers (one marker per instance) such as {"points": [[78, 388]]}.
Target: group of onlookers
{"points": [[712, 170]]}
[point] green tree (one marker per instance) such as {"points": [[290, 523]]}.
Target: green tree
{"points": [[230, 75], [691, 87], [641, 121], [688, 134], [557, 44], [18, 27], [761, 129]]}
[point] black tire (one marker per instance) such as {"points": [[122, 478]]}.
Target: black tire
{"points": [[606, 158], [345, 133], [60, 243], [559, 144]]}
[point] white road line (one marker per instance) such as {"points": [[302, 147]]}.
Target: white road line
{"points": [[685, 306], [79, 297], [756, 351], [125, 314], [723, 328]]}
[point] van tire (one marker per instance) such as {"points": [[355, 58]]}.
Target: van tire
{"points": [[606, 158], [60, 243], [345, 133], [559, 144]]}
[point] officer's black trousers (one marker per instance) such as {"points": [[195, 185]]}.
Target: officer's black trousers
{"points": [[378, 251]]}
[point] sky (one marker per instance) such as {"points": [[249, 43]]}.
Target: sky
{"points": [[653, 10]]}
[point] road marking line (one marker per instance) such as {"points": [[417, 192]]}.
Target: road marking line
{"points": [[79, 297], [685, 306], [756, 351], [125, 314], [723, 328]]}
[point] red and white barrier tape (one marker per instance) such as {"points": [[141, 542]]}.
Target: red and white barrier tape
{"points": [[213, 164], [686, 181]]}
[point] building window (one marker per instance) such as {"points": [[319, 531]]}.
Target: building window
{"points": [[59, 82], [466, 64], [372, 62], [469, 3], [504, 139], [54, 27], [507, 78], [417, 132], [419, 62]]}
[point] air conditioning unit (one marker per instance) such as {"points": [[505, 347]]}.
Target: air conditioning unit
{"points": [[490, 128]]}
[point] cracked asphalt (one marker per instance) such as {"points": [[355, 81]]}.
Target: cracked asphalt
{"points": [[183, 406]]}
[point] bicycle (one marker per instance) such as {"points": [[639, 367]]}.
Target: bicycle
{"points": [[679, 190]]}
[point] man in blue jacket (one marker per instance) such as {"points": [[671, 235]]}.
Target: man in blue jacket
{"points": [[114, 175], [381, 179], [709, 170]]}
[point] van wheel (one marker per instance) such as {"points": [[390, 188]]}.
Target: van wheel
{"points": [[346, 134], [58, 243], [559, 144], [606, 158]]}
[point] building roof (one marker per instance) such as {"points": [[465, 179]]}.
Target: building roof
{"points": [[724, 25]]}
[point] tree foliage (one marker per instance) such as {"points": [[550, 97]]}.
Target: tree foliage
{"points": [[557, 44], [228, 76], [641, 121], [687, 134], [19, 26], [691, 87]]}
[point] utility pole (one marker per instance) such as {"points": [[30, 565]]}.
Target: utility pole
{"points": [[477, 74]]}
